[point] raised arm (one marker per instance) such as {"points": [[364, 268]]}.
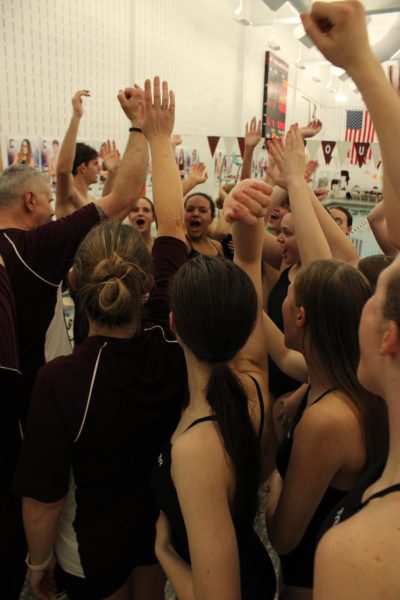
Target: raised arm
{"points": [[310, 238], [251, 139], [245, 207], [130, 179], [339, 30], [67, 199], [197, 175], [112, 161], [377, 222], [158, 123]]}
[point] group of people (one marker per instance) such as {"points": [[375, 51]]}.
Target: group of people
{"points": [[253, 351]]}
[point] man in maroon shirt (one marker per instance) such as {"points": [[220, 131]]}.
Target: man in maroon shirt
{"points": [[38, 252]]}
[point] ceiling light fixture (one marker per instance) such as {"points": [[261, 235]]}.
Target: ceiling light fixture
{"points": [[239, 9]]}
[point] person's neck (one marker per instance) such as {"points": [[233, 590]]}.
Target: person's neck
{"points": [[13, 220], [148, 240], [319, 382], [82, 187], [126, 331], [391, 472], [198, 378]]}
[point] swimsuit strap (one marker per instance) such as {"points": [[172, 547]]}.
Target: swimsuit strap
{"points": [[261, 402], [384, 492], [201, 420], [328, 391], [215, 246]]}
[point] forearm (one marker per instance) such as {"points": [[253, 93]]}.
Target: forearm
{"points": [[248, 244], [278, 196], [219, 228], [130, 179], [40, 523], [187, 185], [167, 189], [247, 162], [291, 362], [66, 155], [339, 243], [311, 240], [178, 572]]}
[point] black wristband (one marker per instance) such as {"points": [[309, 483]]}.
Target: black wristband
{"points": [[135, 129]]}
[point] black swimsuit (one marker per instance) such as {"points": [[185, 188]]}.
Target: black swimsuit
{"points": [[194, 252], [297, 565], [256, 570]]}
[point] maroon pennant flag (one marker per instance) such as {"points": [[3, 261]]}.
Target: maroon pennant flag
{"points": [[328, 148], [213, 143], [361, 149], [241, 145]]}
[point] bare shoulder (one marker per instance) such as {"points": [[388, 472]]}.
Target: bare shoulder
{"points": [[360, 558], [334, 413], [195, 451]]}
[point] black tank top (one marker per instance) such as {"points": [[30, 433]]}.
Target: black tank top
{"points": [[257, 574], [297, 566], [279, 382], [352, 503], [194, 252]]}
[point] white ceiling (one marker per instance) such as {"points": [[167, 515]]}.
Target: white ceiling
{"points": [[383, 23]]}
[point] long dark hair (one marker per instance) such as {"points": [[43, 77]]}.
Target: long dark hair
{"points": [[214, 304], [333, 295]]}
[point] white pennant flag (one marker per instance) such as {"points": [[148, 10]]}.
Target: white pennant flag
{"points": [[342, 150], [229, 143], [376, 153], [313, 147]]}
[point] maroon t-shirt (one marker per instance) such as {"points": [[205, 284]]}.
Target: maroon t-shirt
{"points": [[10, 376], [101, 415], [37, 260]]}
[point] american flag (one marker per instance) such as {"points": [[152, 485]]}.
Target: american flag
{"points": [[359, 128]]}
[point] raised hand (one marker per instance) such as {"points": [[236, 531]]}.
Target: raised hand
{"points": [[176, 140], [247, 202], [77, 102], [159, 111], [311, 129], [294, 159], [339, 31], [198, 173], [253, 133], [131, 100], [111, 157]]}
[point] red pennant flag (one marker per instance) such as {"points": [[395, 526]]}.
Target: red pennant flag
{"points": [[213, 143], [328, 148], [361, 149], [241, 145]]}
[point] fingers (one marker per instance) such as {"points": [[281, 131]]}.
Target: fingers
{"points": [[148, 99], [81, 93], [172, 102]]}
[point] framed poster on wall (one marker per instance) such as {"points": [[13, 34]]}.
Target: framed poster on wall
{"points": [[275, 96]]}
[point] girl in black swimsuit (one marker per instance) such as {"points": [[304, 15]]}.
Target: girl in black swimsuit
{"points": [[339, 427], [360, 557], [206, 480], [199, 214]]}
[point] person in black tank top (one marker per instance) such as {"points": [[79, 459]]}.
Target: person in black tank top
{"points": [[199, 214], [359, 551], [206, 481], [331, 438]]}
